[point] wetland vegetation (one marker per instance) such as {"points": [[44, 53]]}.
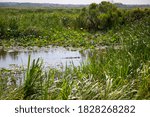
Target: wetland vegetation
{"points": [[118, 63]]}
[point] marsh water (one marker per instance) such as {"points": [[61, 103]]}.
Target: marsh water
{"points": [[54, 57]]}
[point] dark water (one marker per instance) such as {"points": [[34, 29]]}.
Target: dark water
{"points": [[53, 57]]}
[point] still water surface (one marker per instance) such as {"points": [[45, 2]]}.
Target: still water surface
{"points": [[53, 57]]}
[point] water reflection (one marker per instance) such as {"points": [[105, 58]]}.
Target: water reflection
{"points": [[3, 54], [54, 57], [14, 55]]}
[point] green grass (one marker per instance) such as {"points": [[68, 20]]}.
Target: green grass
{"points": [[111, 74], [42, 27], [122, 73]]}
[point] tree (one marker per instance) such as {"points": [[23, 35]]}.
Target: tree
{"points": [[99, 16]]}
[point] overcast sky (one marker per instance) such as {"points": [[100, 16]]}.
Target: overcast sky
{"points": [[80, 1]]}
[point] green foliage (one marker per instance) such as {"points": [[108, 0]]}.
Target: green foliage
{"points": [[136, 14], [2, 28], [33, 31], [66, 27], [108, 74], [99, 16], [33, 80], [118, 69], [105, 16]]}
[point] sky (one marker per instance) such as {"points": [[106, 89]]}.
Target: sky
{"points": [[80, 1]]}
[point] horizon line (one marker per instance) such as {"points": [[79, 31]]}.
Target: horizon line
{"points": [[71, 3]]}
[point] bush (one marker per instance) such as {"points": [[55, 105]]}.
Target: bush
{"points": [[32, 31]]}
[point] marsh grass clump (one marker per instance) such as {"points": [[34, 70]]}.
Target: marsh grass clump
{"points": [[33, 80]]}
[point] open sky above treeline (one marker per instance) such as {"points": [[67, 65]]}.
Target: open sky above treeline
{"points": [[80, 1]]}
